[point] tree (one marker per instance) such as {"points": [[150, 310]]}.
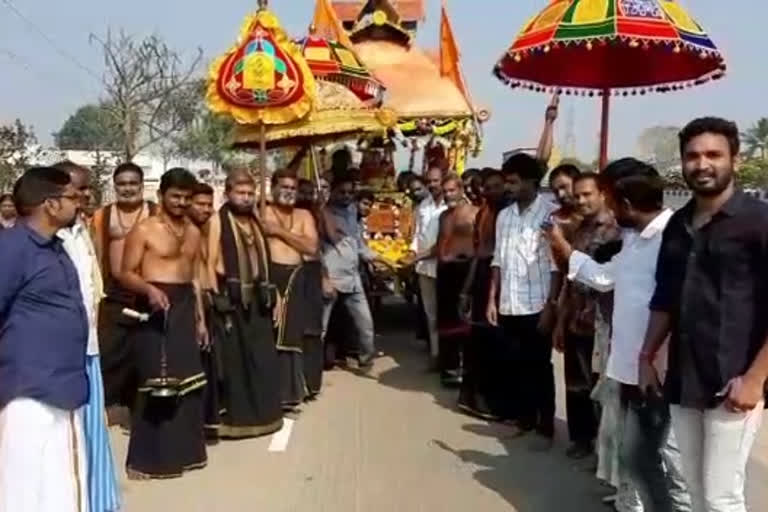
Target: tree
{"points": [[90, 128], [660, 145], [148, 87], [753, 173], [18, 147], [756, 139], [209, 136]]}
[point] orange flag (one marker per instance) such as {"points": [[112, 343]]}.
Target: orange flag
{"points": [[327, 24], [449, 53]]}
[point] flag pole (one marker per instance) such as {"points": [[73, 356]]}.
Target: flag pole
{"points": [[467, 95]]}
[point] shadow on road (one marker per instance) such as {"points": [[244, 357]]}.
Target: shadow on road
{"points": [[528, 480], [396, 336]]}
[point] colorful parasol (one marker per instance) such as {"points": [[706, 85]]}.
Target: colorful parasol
{"points": [[599, 47], [262, 80], [332, 61]]}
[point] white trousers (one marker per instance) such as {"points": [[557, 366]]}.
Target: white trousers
{"points": [[42, 459], [714, 447], [428, 288]]}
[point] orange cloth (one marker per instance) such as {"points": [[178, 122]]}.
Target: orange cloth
{"points": [[326, 24], [449, 53]]}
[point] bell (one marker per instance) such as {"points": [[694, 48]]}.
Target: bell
{"points": [[161, 386]]}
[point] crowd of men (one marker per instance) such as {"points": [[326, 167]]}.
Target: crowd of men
{"points": [[184, 324], [660, 316], [190, 325]]}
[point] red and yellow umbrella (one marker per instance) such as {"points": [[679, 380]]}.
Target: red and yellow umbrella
{"points": [[604, 47], [262, 80]]}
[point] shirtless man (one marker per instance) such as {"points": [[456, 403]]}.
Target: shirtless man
{"points": [[200, 212], [159, 266], [454, 250], [307, 198], [483, 387], [291, 234], [243, 304], [201, 205], [109, 227]]}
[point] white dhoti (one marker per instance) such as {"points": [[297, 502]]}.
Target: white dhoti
{"points": [[42, 459]]}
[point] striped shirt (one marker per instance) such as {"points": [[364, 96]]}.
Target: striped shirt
{"points": [[524, 258]]}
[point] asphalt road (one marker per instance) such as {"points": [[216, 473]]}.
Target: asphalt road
{"points": [[390, 443]]}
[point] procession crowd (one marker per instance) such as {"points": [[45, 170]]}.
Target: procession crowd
{"points": [[659, 314], [189, 325]]}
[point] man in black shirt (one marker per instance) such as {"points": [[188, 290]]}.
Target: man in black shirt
{"points": [[711, 299]]}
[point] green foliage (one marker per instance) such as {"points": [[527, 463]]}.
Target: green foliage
{"points": [[753, 173], [90, 128], [17, 150], [208, 138], [756, 139]]}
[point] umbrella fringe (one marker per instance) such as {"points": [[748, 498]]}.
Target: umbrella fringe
{"points": [[515, 83]]}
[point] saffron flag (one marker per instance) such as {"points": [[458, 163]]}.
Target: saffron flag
{"points": [[449, 53]]}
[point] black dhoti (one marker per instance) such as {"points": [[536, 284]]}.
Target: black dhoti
{"points": [[289, 331], [249, 391], [167, 432], [314, 354], [453, 331], [116, 355], [211, 361], [485, 375]]}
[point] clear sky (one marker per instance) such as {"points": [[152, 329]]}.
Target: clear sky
{"points": [[42, 87]]}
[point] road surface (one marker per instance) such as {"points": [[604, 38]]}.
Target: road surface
{"points": [[392, 443]]}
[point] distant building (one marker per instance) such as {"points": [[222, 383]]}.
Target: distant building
{"points": [[411, 12], [152, 165]]}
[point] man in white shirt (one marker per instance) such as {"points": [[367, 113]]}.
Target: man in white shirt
{"points": [[647, 452], [103, 490], [522, 297], [423, 248]]}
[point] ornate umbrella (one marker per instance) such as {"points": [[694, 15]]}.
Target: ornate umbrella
{"points": [[332, 61], [262, 81], [599, 47]]}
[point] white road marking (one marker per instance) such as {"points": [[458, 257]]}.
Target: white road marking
{"points": [[280, 438]]}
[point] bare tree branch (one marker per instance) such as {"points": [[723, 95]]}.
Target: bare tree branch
{"points": [[147, 85]]}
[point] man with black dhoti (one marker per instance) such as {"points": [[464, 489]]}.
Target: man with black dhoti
{"points": [[200, 212], [109, 228], [243, 303], [291, 234], [159, 264], [454, 251], [307, 198], [485, 378]]}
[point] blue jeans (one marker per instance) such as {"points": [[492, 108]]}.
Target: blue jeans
{"points": [[357, 306], [649, 453]]}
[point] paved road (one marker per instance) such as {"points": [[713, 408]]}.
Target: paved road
{"points": [[393, 443]]}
